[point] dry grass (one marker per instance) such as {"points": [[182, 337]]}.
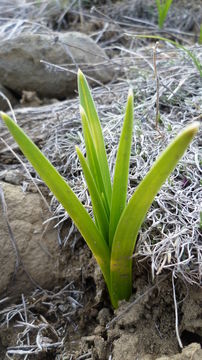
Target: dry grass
{"points": [[36, 333]]}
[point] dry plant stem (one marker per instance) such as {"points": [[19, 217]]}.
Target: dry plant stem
{"points": [[157, 85], [87, 356], [176, 312], [58, 67], [25, 317]]}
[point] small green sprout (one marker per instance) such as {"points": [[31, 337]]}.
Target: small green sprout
{"points": [[112, 234], [163, 6], [200, 221], [200, 35]]}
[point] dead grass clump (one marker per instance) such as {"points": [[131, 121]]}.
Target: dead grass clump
{"points": [[41, 321]]}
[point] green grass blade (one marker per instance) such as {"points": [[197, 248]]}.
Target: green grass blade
{"points": [[120, 183], [158, 4], [65, 196], [200, 35], [135, 212], [98, 208], [196, 62], [87, 103], [93, 160], [163, 7]]}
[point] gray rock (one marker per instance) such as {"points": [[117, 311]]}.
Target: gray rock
{"points": [[3, 103], [37, 246], [21, 67]]}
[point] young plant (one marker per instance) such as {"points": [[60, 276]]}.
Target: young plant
{"points": [[163, 6], [113, 233], [200, 35]]}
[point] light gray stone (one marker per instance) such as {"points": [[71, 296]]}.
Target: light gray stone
{"points": [[21, 67]]}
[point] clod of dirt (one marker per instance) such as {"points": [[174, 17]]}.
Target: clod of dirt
{"points": [[148, 327], [191, 352], [21, 67], [30, 98], [127, 344], [104, 316], [192, 312], [29, 249]]}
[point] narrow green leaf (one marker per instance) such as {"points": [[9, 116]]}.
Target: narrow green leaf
{"points": [[120, 183], [87, 103], [65, 196], [135, 212], [98, 208], [93, 160], [200, 35], [163, 7]]}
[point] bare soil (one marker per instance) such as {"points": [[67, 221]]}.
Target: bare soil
{"points": [[143, 328]]}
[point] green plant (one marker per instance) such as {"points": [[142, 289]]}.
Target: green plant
{"points": [[200, 35], [113, 233], [163, 6]]}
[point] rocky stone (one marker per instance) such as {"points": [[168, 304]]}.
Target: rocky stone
{"points": [[13, 176], [3, 103], [29, 249], [21, 67]]}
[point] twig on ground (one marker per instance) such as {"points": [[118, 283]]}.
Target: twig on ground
{"points": [[176, 312]]}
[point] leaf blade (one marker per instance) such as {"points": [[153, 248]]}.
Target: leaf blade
{"points": [[120, 183], [135, 211], [98, 208], [64, 194], [87, 103], [93, 160]]}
